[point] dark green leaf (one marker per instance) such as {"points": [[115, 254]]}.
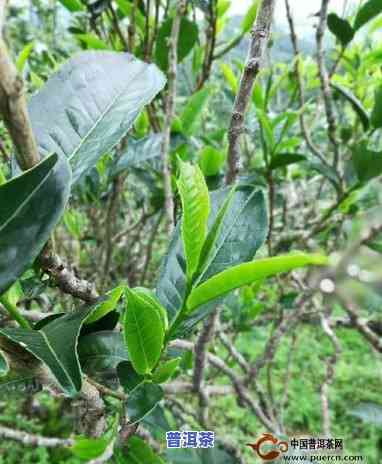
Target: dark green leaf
{"points": [[285, 159], [356, 104], [241, 233], [31, 205], [247, 273], [4, 367], [368, 11], [139, 452], [367, 163], [376, 115], [143, 330], [55, 345], [376, 243], [142, 400], [138, 153], [101, 351], [128, 377], [242, 230], [340, 28], [190, 116], [188, 36], [90, 104]]}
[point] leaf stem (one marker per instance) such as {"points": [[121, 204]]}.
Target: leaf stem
{"points": [[14, 313]]}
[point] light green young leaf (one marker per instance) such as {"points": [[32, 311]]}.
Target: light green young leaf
{"points": [[196, 208], [107, 305], [143, 331], [211, 160], [91, 41], [165, 371], [247, 273], [72, 5], [250, 16], [229, 77], [23, 57]]}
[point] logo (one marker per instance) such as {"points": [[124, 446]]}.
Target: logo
{"points": [[279, 447]]}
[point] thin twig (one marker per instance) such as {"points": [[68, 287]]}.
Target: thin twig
{"points": [[170, 112], [260, 36]]}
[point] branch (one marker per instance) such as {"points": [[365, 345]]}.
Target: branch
{"points": [[170, 112], [260, 35], [34, 440], [13, 108], [300, 86], [66, 279], [324, 80]]}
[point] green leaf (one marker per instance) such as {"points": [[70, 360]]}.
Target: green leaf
{"points": [[233, 238], [92, 448], [101, 352], [128, 377], [55, 345], [31, 205], [196, 208], [191, 114], [376, 243], [340, 28], [250, 17], [107, 305], [367, 163], [89, 448], [247, 273], [143, 331], [4, 366], [239, 233], [188, 36], [211, 160], [368, 11], [376, 115], [139, 152], [23, 57], [90, 104], [166, 370], [285, 159], [91, 41], [126, 7], [72, 5], [230, 77], [139, 452], [222, 7], [142, 400], [356, 104]]}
